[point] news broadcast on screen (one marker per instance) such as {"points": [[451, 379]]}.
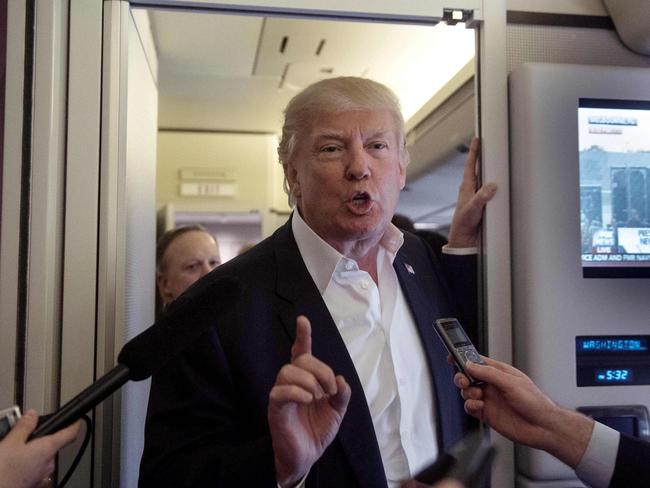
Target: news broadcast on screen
{"points": [[614, 155]]}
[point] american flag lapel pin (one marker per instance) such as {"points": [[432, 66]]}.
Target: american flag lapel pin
{"points": [[409, 268]]}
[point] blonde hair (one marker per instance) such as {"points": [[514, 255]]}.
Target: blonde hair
{"points": [[335, 95]]}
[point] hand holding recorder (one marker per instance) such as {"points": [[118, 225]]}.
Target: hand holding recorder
{"points": [[516, 408], [28, 464]]}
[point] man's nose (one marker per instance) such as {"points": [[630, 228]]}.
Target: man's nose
{"points": [[358, 167]]}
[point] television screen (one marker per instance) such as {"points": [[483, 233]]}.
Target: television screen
{"points": [[614, 149]]}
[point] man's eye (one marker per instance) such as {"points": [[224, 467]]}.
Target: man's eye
{"points": [[378, 145], [191, 266], [214, 263], [329, 149]]}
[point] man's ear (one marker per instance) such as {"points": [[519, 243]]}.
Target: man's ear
{"points": [[404, 160], [402, 176], [293, 181], [163, 288]]}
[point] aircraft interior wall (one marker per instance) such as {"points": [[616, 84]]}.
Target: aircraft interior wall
{"points": [[10, 205], [199, 129], [116, 270], [551, 303], [227, 164], [139, 289]]}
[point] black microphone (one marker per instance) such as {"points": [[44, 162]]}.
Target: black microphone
{"points": [[187, 319]]}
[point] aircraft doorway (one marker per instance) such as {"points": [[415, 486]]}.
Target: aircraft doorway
{"points": [[221, 111], [220, 114]]}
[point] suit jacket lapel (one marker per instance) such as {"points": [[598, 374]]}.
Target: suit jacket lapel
{"points": [[425, 310], [295, 286]]}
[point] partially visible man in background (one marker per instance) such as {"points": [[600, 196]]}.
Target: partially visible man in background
{"points": [[183, 255]]}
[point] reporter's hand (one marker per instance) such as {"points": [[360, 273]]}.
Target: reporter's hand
{"points": [[306, 408], [471, 202], [447, 484], [510, 402], [26, 464], [515, 407]]}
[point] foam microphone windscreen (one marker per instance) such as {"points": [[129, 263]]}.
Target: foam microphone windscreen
{"points": [[187, 319]]}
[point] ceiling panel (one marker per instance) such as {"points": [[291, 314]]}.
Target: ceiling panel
{"points": [[229, 104], [205, 43], [243, 68], [287, 41], [300, 75], [237, 73]]}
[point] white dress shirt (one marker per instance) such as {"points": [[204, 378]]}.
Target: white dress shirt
{"points": [[597, 464], [382, 339]]}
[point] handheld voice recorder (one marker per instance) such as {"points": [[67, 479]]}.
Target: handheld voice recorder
{"points": [[458, 345]]}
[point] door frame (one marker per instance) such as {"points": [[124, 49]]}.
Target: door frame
{"points": [[491, 80]]}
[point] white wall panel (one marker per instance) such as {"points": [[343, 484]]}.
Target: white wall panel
{"points": [[10, 205], [573, 45], [552, 302], [111, 231], [46, 207], [550, 44], [492, 86], [81, 215], [140, 240]]}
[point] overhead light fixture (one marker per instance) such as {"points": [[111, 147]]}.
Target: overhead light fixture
{"points": [[452, 16]]}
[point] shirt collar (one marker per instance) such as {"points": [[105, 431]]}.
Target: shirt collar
{"points": [[322, 259]]}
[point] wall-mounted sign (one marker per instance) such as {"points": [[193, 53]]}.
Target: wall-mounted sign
{"points": [[208, 189], [203, 174]]}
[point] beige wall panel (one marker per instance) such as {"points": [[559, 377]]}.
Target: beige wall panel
{"points": [[244, 156]]}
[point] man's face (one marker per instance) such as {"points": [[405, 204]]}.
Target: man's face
{"points": [[189, 257], [346, 175]]}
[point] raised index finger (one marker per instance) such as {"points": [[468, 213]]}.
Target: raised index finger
{"points": [[302, 344]]}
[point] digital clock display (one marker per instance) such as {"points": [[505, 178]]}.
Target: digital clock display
{"points": [[614, 375], [612, 344], [612, 360]]}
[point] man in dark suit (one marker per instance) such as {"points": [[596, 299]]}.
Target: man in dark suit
{"points": [[513, 406], [326, 371]]}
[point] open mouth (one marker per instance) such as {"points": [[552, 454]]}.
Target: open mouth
{"points": [[361, 198], [361, 203]]}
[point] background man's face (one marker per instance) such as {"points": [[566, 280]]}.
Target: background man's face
{"points": [[189, 257], [346, 174]]}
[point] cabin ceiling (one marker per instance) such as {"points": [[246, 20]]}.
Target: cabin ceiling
{"points": [[236, 73]]}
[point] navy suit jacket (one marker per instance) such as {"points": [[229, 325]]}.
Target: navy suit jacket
{"points": [[632, 464], [207, 417]]}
